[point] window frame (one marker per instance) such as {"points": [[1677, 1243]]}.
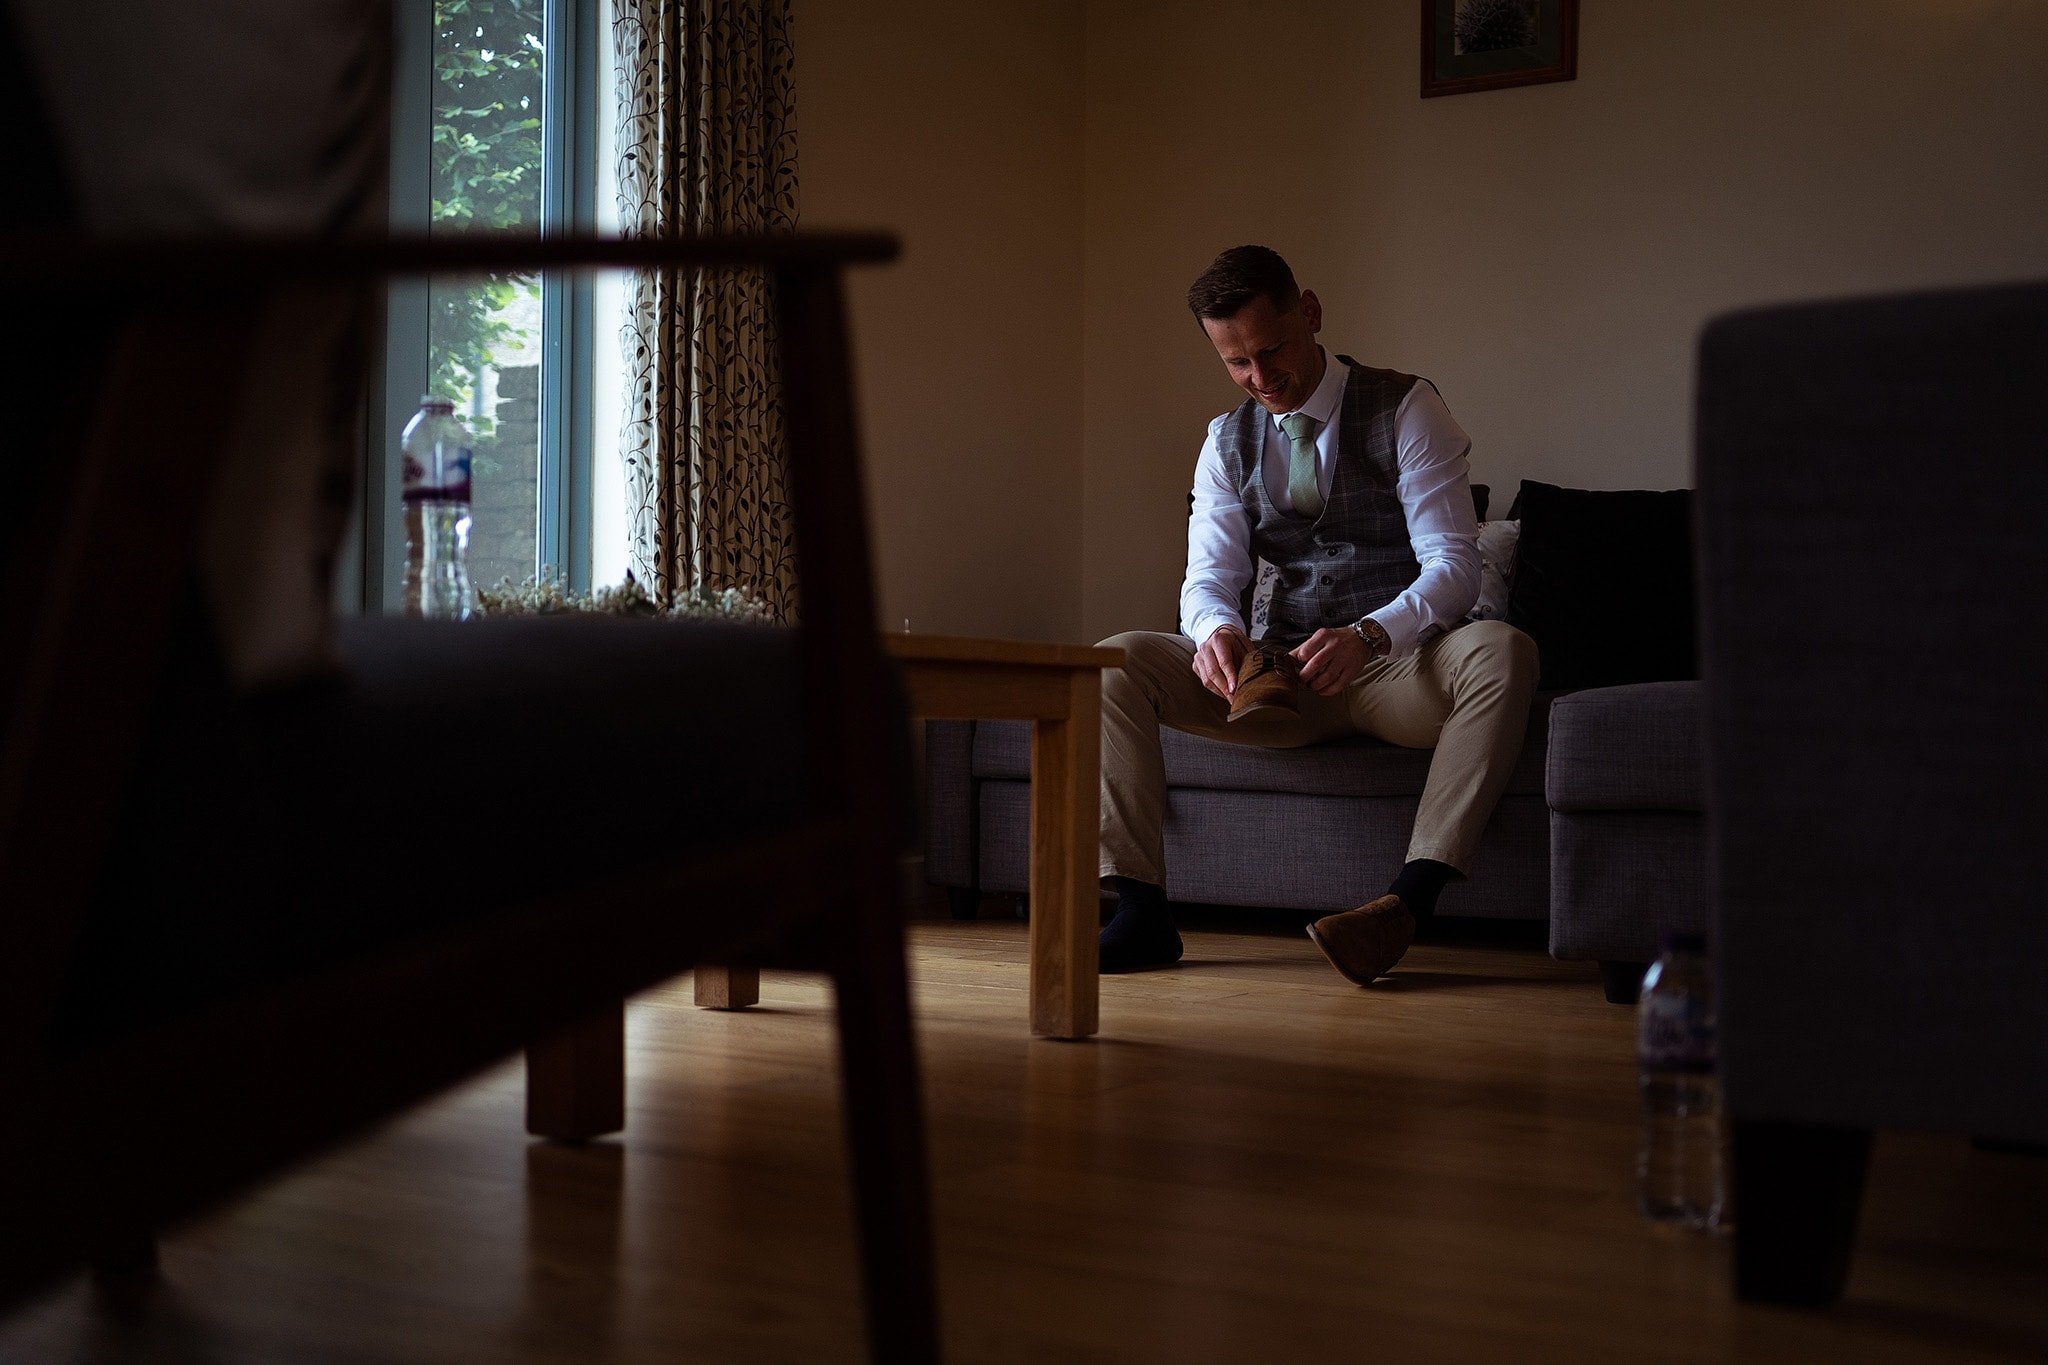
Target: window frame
{"points": [[374, 571]]}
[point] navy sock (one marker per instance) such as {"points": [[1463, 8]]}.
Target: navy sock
{"points": [[1141, 933], [1420, 883]]}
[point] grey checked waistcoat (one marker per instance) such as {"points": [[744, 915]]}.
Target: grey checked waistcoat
{"points": [[1354, 558]]}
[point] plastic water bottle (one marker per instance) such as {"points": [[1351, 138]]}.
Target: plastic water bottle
{"points": [[1679, 1167], [436, 454]]}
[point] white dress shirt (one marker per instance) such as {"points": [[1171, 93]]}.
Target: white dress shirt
{"points": [[1431, 450]]}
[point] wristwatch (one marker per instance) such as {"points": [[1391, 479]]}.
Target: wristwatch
{"points": [[1377, 645]]}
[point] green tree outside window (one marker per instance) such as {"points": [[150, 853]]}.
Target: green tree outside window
{"points": [[486, 168]]}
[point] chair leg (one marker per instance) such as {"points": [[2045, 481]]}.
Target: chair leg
{"points": [[885, 1132], [576, 1081], [964, 901], [727, 988], [1797, 1188], [1623, 981]]}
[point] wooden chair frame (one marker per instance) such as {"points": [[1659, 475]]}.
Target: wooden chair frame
{"points": [[81, 1180]]}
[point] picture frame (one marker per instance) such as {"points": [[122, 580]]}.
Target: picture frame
{"points": [[1472, 45]]}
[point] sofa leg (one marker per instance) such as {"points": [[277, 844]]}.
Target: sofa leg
{"points": [[1623, 981], [1797, 1190], [964, 902]]}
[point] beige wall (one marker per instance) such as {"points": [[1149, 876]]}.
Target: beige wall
{"points": [[1546, 254], [959, 128], [1059, 171]]}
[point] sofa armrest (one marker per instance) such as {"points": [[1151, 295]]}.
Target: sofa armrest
{"points": [[1640, 746]]}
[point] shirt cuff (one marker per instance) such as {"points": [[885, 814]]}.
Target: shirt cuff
{"points": [[1209, 622], [1403, 628]]}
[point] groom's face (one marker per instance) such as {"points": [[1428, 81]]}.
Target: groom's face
{"points": [[1272, 355]]}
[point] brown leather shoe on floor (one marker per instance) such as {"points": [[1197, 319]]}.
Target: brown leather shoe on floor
{"points": [[1366, 942], [1268, 679]]}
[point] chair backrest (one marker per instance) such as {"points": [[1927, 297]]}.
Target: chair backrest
{"points": [[1875, 656]]}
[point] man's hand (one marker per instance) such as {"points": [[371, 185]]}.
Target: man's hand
{"points": [[1331, 660], [1216, 662]]}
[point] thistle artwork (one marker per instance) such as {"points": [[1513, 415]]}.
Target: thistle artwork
{"points": [[1494, 25], [548, 594], [1470, 45]]}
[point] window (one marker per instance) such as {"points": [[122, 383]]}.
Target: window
{"points": [[494, 130], [484, 334]]}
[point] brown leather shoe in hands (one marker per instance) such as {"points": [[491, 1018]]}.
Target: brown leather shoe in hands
{"points": [[1268, 679], [1366, 942]]}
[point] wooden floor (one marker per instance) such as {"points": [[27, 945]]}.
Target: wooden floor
{"points": [[1255, 1162]]}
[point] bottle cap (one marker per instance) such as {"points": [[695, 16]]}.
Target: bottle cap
{"points": [[434, 402], [1677, 942]]}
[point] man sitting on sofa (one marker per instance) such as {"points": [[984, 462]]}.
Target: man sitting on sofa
{"points": [[1352, 482]]}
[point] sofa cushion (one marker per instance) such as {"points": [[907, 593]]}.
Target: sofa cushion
{"points": [[1358, 766], [1639, 747]]}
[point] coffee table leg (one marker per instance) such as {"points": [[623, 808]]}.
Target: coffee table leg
{"points": [[727, 988], [1065, 833]]}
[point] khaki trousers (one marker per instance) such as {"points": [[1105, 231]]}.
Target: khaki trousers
{"points": [[1465, 694]]}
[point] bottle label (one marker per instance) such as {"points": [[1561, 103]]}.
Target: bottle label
{"points": [[453, 485], [1675, 1033]]}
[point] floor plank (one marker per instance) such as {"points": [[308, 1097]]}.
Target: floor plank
{"points": [[1255, 1161]]}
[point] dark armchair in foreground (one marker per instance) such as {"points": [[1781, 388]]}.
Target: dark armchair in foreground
{"points": [[223, 948], [1873, 476]]}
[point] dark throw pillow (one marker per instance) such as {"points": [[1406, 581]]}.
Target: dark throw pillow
{"points": [[1604, 584]]}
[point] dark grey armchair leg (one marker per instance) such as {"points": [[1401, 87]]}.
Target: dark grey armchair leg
{"points": [[1623, 981], [1797, 1190], [964, 901]]}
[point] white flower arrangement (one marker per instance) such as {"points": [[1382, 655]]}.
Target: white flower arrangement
{"points": [[548, 594]]}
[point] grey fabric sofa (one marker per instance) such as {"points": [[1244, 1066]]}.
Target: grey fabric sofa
{"points": [[1316, 829], [1599, 830], [1878, 758], [1628, 842]]}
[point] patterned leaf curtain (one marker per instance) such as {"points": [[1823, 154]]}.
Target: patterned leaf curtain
{"points": [[707, 143]]}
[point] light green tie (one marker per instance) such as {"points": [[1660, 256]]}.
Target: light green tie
{"points": [[1302, 487]]}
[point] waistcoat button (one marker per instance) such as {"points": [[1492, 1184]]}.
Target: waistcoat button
{"points": [[1327, 580]]}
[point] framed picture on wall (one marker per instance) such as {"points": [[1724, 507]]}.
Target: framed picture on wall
{"points": [[1489, 44]]}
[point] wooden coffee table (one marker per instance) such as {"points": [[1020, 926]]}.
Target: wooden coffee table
{"points": [[1058, 688]]}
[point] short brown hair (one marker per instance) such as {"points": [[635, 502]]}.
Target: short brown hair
{"points": [[1240, 275]]}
